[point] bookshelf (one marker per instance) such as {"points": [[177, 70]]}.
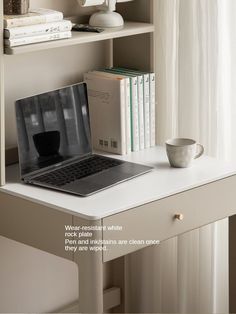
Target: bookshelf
{"points": [[131, 46]]}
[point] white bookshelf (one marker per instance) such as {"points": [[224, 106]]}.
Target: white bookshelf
{"points": [[130, 46]]}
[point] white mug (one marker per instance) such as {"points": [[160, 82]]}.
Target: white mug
{"points": [[181, 152]]}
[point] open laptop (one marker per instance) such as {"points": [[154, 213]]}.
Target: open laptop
{"points": [[54, 143]]}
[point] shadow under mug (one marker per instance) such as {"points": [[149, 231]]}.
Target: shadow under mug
{"points": [[181, 152], [47, 143]]}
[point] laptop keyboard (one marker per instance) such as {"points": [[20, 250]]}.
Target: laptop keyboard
{"points": [[76, 171]]}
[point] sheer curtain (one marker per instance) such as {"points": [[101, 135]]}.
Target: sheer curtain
{"points": [[195, 69]]}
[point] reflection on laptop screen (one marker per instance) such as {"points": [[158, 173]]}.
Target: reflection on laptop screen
{"points": [[53, 127]]}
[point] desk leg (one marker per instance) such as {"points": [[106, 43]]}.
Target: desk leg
{"points": [[232, 264], [90, 275]]}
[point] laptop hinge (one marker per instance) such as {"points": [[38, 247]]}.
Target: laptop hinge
{"points": [[63, 163]]}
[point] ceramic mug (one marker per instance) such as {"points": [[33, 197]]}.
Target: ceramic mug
{"points": [[181, 152]]}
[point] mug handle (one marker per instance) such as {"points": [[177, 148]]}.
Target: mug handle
{"points": [[201, 151]]}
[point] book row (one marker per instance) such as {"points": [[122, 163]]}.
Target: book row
{"points": [[122, 109], [36, 26]]}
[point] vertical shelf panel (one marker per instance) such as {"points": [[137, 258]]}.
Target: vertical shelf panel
{"points": [[2, 106]]}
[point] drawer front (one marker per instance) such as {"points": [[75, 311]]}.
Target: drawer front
{"points": [[170, 216]]}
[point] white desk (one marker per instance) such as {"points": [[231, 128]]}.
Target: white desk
{"points": [[203, 193], [162, 182]]}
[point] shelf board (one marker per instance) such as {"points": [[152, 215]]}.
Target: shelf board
{"points": [[129, 29]]}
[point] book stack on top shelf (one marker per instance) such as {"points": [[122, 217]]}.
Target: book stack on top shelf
{"points": [[38, 25], [122, 109]]}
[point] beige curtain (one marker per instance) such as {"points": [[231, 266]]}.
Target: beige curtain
{"points": [[195, 70]]}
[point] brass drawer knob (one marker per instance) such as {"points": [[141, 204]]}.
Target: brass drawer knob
{"points": [[179, 217]]}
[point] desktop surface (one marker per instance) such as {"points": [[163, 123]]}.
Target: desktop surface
{"points": [[160, 183]]}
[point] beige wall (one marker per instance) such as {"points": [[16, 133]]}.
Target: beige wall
{"points": [[46, 70], [68, 7], [37, 72]]}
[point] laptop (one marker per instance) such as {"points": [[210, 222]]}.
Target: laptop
{"points": [[54, 143]]}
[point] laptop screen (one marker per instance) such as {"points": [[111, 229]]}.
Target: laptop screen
{"points": [[53, 127]]}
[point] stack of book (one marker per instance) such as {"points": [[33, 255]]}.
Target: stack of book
{"points": [[122, 109], [37, 26]]}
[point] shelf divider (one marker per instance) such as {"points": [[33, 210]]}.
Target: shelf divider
{"points": [[2, 104]]}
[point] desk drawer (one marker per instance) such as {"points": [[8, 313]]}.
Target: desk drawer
{"points": [[159, 221]]}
